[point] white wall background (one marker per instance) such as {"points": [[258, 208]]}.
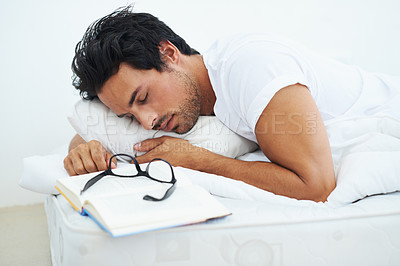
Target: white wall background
{"points": [[37, 40]]}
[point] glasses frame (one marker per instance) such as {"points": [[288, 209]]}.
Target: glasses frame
{"points": [[140, 172]]}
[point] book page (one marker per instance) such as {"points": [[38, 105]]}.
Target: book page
{"points": [[112, 185], [129, 213]]}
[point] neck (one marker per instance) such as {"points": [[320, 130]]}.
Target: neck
{"points": [[207, 95]]}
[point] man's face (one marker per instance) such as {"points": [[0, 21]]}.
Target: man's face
{"points": [[167, 100]]}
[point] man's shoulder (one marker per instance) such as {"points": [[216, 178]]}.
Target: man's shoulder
{"points": [[227, 46], [230, 42]]}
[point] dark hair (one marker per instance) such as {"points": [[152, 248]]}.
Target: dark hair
{"points": [[122, 36]]}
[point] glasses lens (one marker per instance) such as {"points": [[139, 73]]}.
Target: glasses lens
{"points": [[160, 170], [124, 171]]}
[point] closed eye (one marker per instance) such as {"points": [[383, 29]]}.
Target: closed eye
{"points": [[145, 98], [128, 115]]}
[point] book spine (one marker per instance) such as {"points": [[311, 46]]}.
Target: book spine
{"points": [[70, 202], [86, 213]]}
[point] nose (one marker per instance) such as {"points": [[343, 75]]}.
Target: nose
{"points": [[147, 119]]}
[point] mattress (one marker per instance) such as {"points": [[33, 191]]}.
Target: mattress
{"points": [[366, 232]]}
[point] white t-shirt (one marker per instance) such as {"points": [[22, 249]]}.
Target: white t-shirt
{"points": [[247, 70]]}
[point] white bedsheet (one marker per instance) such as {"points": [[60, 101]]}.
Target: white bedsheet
{"points": [[366, 153]]}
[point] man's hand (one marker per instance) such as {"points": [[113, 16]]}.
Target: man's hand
{"points": [[88, 157], [178, 152]]}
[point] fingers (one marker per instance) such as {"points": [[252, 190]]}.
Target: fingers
{"points": [[75, 161], [176, 151], [145, 158], [167, 148], [98, 155], [86, 158], [113, 162], [68, 166], [149, 144]]}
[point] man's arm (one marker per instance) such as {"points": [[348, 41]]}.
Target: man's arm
{"points": [[85, 157], [291, 134]]}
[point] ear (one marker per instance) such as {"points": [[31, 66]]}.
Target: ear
{"points": [[169, 52]]}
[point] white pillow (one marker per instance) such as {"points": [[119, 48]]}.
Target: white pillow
{"points": [[39, 173], [92, 120], [364, 174], [366, 154]]}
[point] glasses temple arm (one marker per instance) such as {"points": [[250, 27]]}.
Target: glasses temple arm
{"points": [[93, 180], [166, 194]]}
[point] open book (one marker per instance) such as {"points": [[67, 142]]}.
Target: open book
{"points": [[116, 204]]}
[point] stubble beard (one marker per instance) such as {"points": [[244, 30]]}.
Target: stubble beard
{"points": [[189, 111]]}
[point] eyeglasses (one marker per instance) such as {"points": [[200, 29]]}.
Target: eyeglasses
{"points": [[163, 174]]}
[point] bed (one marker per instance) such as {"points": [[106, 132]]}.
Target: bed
{"points": [[258, 233], [264, 229], [358, 225]]}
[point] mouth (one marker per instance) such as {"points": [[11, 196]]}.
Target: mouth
{"points": [[168, 124]]}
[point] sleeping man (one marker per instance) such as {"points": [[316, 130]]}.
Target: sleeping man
{"points": [[265, 89]]}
